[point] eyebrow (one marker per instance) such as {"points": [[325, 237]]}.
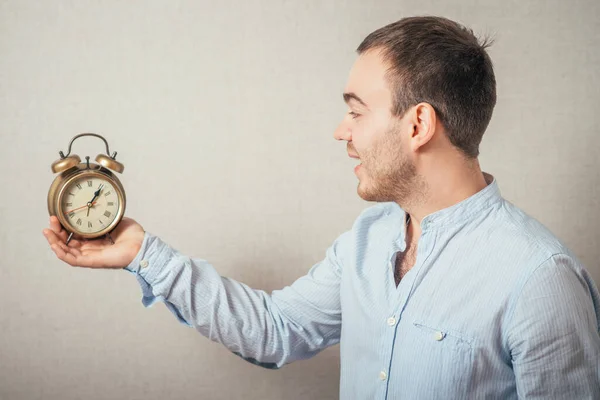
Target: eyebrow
{"points": [[352, 96]]}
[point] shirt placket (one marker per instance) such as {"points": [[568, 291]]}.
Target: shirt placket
{"points": [[403, 294]]}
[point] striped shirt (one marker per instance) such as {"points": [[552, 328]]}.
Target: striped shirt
{"points": [[495, 307]]}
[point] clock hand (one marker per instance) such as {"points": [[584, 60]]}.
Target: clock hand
{"points": [[96, 193], [91, 202], [79, 208]]}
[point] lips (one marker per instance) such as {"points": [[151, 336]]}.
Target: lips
{"points": [[357, 168]]}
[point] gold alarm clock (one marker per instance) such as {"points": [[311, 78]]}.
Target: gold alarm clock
{"points": [[88, 199]]}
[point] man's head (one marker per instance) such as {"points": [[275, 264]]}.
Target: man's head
{"points": [[421, 87]]}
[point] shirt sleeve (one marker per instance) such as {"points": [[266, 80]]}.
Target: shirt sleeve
{"points": [[293, 323], [554, 336]]}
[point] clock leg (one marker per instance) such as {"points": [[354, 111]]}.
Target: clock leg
{"points": [[110, 238], [69, 238]]}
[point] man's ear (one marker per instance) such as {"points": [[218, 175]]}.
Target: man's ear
{"points": [[423, 120]]}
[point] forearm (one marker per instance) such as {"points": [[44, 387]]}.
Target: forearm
{"points": [[247, 321]]}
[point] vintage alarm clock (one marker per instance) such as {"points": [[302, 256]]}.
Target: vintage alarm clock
{"points": [[88, 199]]}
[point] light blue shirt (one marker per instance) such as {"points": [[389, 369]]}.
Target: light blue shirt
{"points": [[495, 307]]}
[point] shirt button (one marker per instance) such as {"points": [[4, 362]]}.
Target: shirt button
{"points": [[391, 321], [144, 263], [382, 375], [439, 336]]}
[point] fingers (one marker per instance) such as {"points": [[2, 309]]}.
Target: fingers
{"points": [[89, 258], [65, 253], [87, 254], [62, 245], [52, 238], [56, 227], [96, 253], [68, 254]]}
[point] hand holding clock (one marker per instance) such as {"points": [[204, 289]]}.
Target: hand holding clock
{"points": [[98, 253], [72, 186]]}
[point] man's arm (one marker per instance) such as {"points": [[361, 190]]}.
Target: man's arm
{"points": [[269, 330], [554, 336]]}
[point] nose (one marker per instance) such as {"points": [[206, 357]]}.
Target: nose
{"points": [[343, 132]]}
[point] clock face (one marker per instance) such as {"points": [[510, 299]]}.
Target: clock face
{"points": [[89, 204]]}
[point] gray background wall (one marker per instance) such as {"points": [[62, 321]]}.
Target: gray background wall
{"points": [[223, 114]]}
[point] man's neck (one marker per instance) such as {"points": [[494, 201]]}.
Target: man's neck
{"points": [[444, 188]]}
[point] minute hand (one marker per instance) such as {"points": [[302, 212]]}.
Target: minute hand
{"points": [[91, 202]]}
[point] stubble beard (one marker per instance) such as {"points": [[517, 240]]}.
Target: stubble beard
{"points": [[388, 174]]}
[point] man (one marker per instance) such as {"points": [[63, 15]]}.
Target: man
{"points": [[441, 290]]}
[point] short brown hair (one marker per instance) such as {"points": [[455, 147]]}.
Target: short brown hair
{"points": [[440, 62]]}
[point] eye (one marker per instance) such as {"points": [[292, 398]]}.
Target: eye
{"points": [[353, 114]]}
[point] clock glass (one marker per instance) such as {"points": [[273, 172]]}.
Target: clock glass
{"points": [[89, 204]]}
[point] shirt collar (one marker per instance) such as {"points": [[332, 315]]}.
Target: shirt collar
{"points": [[460, 212], [466, 209]]}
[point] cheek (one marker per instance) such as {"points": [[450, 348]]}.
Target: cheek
{"points": [[374, 144], [386, 151], [364, 135]]}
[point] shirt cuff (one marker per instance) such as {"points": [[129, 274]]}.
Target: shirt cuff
{"points": [[152, 257]]}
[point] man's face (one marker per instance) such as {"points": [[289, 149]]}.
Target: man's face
{"points": [[379, 139]]}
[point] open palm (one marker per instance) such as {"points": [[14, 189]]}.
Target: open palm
{"points": [[97, 253]]}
